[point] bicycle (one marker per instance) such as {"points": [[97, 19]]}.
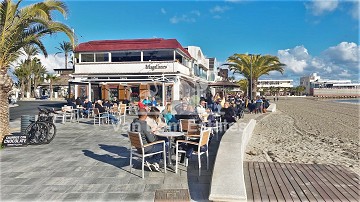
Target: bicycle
{"points": [[43, 130]]}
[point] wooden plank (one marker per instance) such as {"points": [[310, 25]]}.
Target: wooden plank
{"points": [[276, 194], [254, 184], [295, 174], [329, 182], [288, 185], [351, 174], [284, 191], [294, 184], [318, 185], [344, 173], [338, 184], [307, 182], [322, 182], [249, 193], [261, 183], [353, 190]]}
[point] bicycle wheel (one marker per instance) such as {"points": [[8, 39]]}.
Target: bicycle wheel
{"points": [[52, 132], [37, 132]]}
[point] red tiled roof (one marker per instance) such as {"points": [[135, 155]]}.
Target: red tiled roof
{"points": [[130, 44]]}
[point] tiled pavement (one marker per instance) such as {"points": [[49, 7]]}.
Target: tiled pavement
{"points": [[91, 162]]}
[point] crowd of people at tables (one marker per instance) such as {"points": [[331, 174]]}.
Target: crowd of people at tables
{"points": [[151, 120]]}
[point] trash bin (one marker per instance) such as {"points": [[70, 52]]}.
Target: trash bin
{"points": [[26, 120]]}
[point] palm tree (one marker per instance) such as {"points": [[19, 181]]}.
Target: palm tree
{"points": [[51, 78], [66, 48], [259, 65], [38, 71], [243, 83], [20, 27], [20, 73]]}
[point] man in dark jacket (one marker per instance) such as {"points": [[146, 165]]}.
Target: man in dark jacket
{"points": [[140, 125]]}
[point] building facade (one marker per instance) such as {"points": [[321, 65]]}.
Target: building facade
{"points": [[274, 87], [134, 69], [315, 86]]}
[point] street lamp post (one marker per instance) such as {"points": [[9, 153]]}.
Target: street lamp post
{"points": [[251, 76]]}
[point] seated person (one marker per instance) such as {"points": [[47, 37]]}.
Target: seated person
{"points": [[87, 105], [126, 101], [146, 101], [141, 104], [140, 125], [115, 101], [229, 114], [107, 104], [153, 102], [168, 116], [79, 101], [101, 108], [154, 121], [200, 109]]}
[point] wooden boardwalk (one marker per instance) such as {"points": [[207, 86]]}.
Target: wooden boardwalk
{"points": [[300, 182]]}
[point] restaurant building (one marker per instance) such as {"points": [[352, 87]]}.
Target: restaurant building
{"points": [[130, 69]]}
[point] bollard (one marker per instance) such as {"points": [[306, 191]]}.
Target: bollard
{"points": [[26, 120]]}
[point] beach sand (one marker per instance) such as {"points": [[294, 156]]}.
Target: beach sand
{"points": [[305, 130]]}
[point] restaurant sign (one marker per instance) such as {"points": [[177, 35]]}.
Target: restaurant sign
{"points": [[155, 66], [15, 140]]}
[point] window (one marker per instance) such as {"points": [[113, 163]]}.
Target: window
{"points": [[159, 55], [125, 56], [102, 57], [87, 57]]}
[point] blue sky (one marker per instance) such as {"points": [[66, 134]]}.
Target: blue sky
{"points": [[308, 36]]}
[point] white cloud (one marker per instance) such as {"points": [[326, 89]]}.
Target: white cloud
{"points": [[343, 52], [355, 10], [219, 9], [295, 59], [196, 12], [217, 17], [163, 11], [336, 62], [183, 18], [319, 7]]}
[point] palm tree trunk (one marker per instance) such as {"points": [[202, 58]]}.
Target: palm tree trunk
{"points": [[5, 87], [66, 60], [254, 88], [29, 86], [35, 87], [22, 89], [51, 90]]}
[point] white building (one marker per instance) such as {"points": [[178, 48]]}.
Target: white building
{"points": [[130, 69], [316, 86], [279, 86]]}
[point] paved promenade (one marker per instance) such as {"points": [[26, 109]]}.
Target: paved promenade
{"points": [[91, 162]]}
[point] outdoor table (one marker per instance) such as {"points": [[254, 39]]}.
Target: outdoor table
{"points": [[170, 135]]}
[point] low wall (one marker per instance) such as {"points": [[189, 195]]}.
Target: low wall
{"points": [[333, 92], [271, 108], [228, 182]]}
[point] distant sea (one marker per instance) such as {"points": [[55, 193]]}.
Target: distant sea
{"points": [[349, 101]]}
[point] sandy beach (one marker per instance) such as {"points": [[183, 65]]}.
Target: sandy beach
{"points": [[306, 130]]}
